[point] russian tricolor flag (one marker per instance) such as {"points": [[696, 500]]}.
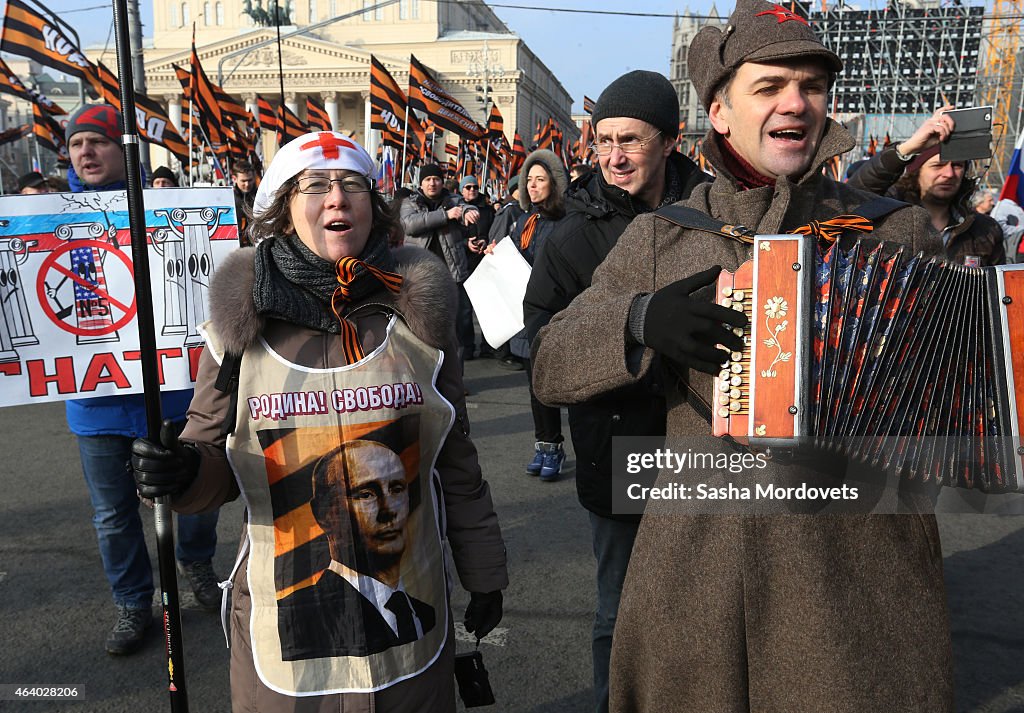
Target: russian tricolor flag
{"points": [[1014, 186]]}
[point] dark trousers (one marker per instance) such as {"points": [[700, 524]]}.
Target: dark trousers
{"points": [[613, 544], [464, 324], [547, 420]]}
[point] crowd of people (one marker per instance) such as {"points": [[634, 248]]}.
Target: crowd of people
{"points": [[337, 289]]}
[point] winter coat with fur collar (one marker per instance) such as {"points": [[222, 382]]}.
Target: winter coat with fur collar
{"points": [[427, 304]]}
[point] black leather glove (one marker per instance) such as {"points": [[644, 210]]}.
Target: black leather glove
{"points": [[687, 330], [165, 468], [483, 613]]}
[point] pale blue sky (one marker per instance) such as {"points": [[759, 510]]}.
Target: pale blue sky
{"points": [[585, 51]]}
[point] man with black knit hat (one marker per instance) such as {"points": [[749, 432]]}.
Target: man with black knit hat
{"points": [[741, 613], [636, 120], [106, 426], [164, 177], [434, 219]]}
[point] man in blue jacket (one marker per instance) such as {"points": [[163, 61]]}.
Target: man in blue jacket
{"points": [[107, 425]]}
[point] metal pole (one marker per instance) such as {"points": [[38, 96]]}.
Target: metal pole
{"points": [[280, 66], [150, 376], [138, 67], [405, 143]]}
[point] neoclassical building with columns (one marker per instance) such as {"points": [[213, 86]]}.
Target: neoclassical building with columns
{"points": [[461, 42]]}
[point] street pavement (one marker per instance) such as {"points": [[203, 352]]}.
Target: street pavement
{"points": [[55, 608]]}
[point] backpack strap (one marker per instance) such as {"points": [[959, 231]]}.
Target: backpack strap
{"points": [[227, 383], [693, 219]]}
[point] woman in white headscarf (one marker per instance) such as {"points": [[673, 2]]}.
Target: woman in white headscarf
{"points": [[329, 399]]}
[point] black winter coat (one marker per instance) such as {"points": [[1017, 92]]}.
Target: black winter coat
{"points": [[597, 214]]}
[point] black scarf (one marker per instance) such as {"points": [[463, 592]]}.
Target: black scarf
{"points": [[295, 284]]}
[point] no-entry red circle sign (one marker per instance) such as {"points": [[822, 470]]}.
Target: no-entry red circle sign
{"points": [[51, 263]]}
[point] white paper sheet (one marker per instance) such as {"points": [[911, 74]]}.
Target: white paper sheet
{"points": [[496, 289]]}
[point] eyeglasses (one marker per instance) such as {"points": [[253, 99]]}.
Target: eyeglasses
{"points": [[604, 148], [471, 187], [322, 184]]}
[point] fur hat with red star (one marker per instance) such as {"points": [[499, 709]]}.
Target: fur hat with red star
{"points": [[758, 31], [322, 150]]}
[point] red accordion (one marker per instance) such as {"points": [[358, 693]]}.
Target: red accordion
{"points": [[882, 355]]}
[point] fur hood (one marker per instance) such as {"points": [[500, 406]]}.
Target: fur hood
{"points": [[426, 301], [553, 165]]}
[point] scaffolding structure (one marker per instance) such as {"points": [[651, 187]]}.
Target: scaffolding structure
{"points": [[999, 83], [904, 58]]}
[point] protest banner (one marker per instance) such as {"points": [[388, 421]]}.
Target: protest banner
{"points": [[68, 297]]}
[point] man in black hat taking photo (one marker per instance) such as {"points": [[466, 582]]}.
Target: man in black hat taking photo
{"points": [[636, 120], [740, 613]]}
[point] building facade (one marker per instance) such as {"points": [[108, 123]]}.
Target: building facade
{"points": [[325, 54]]}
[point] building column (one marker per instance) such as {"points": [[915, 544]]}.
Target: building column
{"points": [[250, 104], [370, 137], [174, 112], [291, 101], [331, 106]]}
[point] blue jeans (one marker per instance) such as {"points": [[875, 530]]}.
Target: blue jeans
{"points": [[613, 544], [115, 505]]}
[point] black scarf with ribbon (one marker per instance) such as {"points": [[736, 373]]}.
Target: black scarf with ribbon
{"points": [[295, 284]]}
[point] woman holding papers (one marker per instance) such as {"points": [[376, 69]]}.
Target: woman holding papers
{"points": [[544, 202], [330, 398]]}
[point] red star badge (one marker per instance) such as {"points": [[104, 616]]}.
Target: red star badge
{"points": [[782, 14]]}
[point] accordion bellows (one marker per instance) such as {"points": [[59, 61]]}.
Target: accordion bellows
{"points": [[894, 360]]}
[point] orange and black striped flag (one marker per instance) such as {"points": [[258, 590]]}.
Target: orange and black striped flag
{"points": [[49, 133], [387, 101], [588, 104], [204, 100], [18, 132], [518, 156], [153, 123], [586, 138], [495, 124], [230, 108], [29, 34], [426, 95], [316, 116], [289, 126], [545, 135], [388, 111], [267, 117], [11, 84]]}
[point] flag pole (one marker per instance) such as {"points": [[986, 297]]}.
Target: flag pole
{"points": [[405, 140], [147, 349]]}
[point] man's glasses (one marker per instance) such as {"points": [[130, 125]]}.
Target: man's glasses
{"points": [[322, 184], [471, 188], [603, 148]]}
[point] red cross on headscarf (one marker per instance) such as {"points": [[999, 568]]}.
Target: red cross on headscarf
{"points": [[329, 144], [782, 14]]}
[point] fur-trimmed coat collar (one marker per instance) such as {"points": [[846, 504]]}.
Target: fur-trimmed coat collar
{"points": [[426, 301]]}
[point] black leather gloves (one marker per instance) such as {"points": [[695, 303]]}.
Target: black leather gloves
{"points": [[687, 330], [165, 468], [483, 613]]}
